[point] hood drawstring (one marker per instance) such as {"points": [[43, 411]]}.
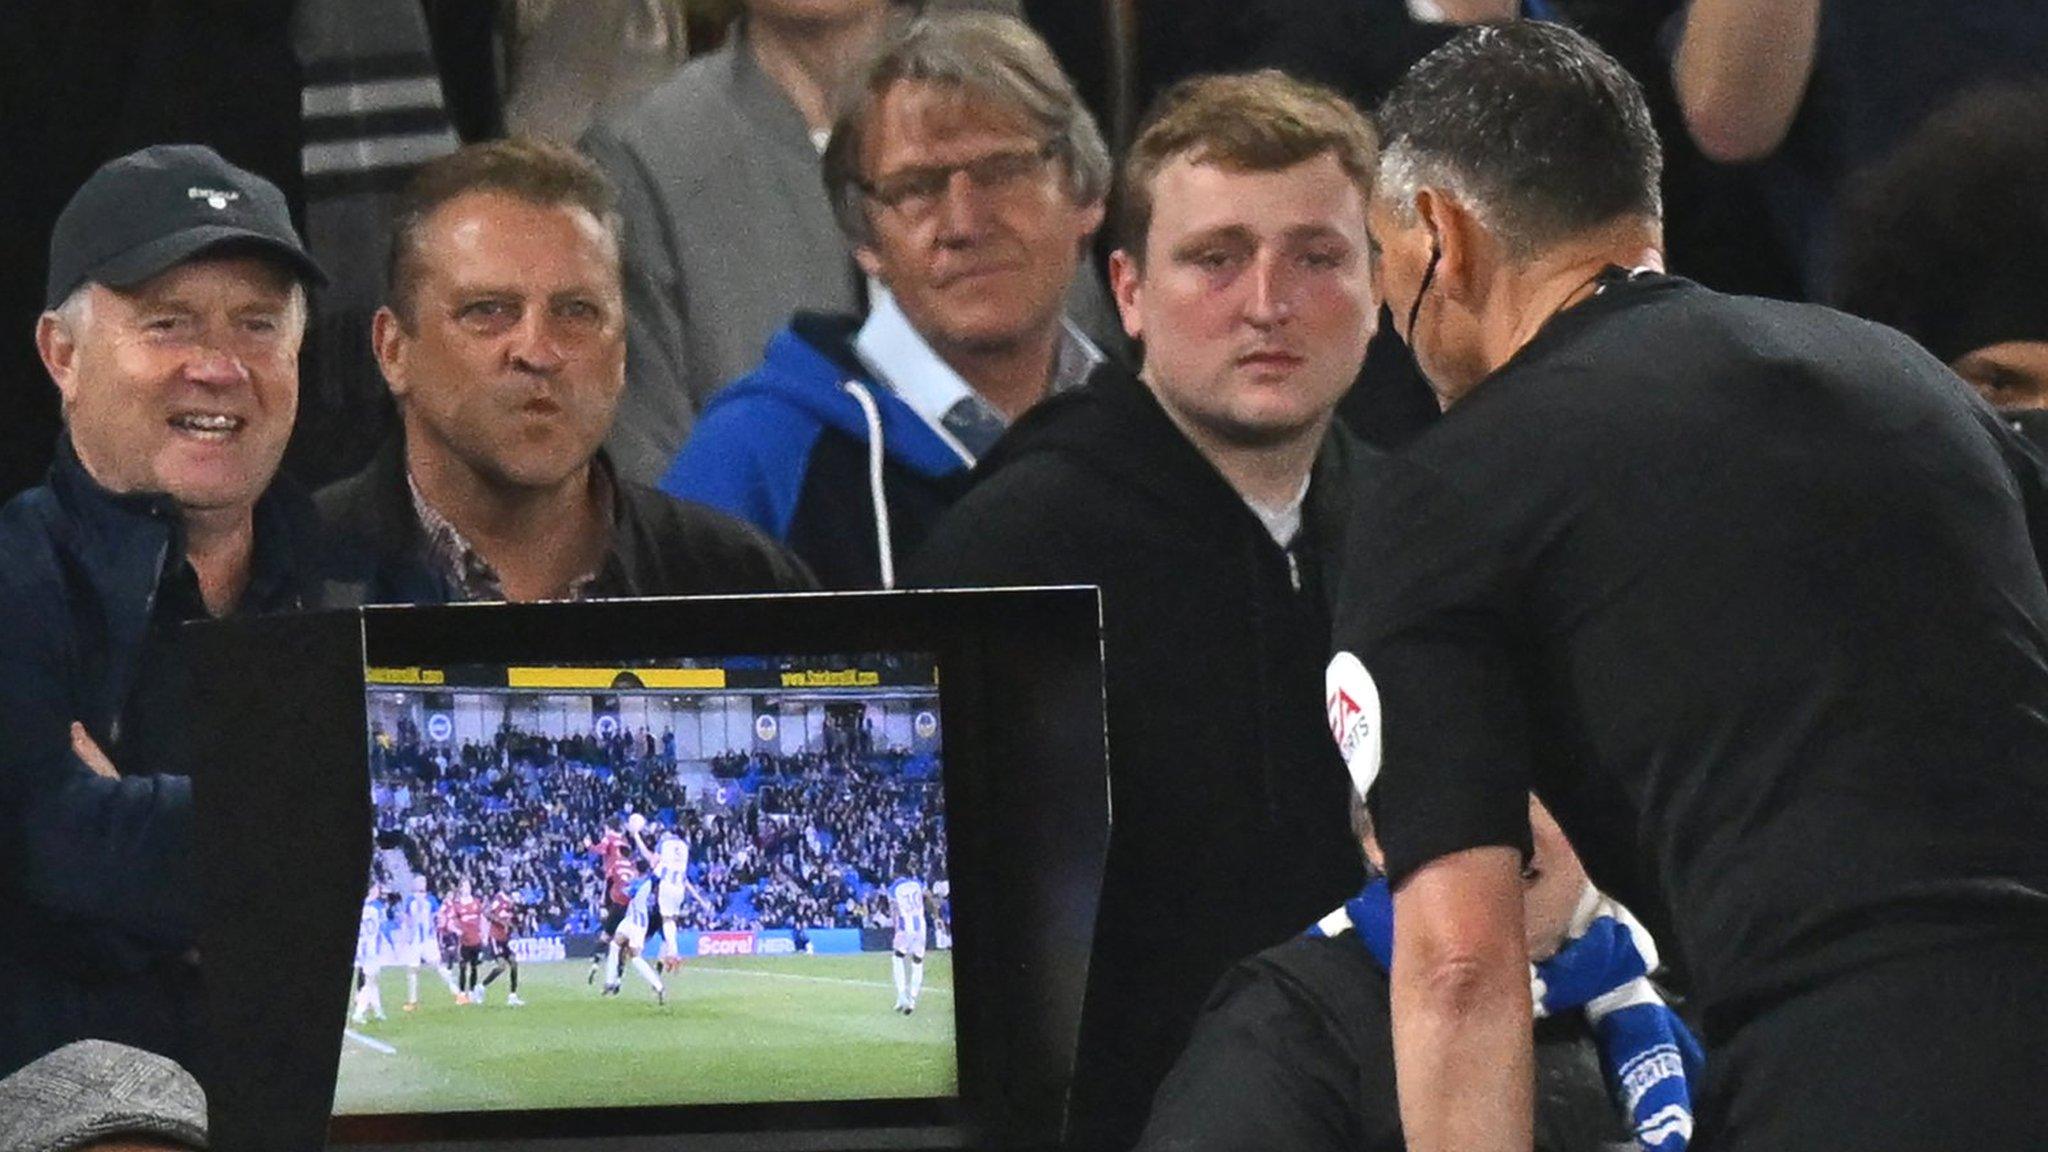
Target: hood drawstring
{"points": [[866, 401]]}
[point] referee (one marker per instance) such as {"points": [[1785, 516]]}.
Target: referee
{"points": [[1748, 591]]}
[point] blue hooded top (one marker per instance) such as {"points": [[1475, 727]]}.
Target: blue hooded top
{"points": [[815, 451]]}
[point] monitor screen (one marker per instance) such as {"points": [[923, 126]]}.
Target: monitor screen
{"points": [[698, 881]]}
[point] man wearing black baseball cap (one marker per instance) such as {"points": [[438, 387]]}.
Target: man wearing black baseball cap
{"points": [[176, 305]]}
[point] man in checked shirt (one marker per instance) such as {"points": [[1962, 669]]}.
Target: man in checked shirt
{"points": [[503, 341]]}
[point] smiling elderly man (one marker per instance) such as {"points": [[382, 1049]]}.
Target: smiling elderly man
{"points": [[176, 308]]}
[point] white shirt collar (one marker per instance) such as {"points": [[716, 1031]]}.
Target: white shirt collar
{"points": [[891, 349], [1282, 523]]}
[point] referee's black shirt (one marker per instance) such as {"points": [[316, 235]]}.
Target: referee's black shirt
{"points": [[1748, 592]]}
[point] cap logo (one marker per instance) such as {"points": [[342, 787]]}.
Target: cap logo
{"points": [[1353, 701], [216, 198]]}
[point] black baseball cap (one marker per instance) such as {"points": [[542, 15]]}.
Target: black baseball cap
{"points": [[151, 210]]}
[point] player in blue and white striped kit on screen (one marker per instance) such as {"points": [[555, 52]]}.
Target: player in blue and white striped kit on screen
{"points": [[910, 900], [671, 861], [419, 942], [632, 934], [375, 947]]}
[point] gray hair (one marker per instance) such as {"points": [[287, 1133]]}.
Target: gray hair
{"points": [[75, 313], [76, 310], [1404, 170], [985, 56], [1531, 126]]}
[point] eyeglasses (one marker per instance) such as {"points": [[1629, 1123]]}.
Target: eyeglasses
{"points": [[916, 191]]}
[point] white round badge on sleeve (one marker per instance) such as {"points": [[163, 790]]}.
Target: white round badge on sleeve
{"points": [[1353, 703]]}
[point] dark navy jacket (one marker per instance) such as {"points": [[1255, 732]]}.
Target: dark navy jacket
{"points": [[791, 449], [98, 876]]}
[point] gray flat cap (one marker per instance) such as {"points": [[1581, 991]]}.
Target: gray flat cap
{"points": [[92, 1090]]}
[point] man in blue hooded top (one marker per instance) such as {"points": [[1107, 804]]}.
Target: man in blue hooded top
{"points": [[969, 178]]}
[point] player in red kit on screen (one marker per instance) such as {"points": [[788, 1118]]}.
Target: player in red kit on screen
{"points": [[499, 915], [451, 941], [468, 914], [616, 868]]}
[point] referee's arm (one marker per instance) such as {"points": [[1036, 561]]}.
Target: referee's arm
{"points": [[1463, 1055], [1432, 607]]}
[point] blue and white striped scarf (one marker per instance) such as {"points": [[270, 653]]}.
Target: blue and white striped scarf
{"points": [[1603, 969]]}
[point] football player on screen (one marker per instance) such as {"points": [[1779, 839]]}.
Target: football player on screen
{"points": [[631, 937], [615, 869], [469, 926], [670, 859], [499, 914], [374, 949], [449, 936], [910, 900], [419, 932]]}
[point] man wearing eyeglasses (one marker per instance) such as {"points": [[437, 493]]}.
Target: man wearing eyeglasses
{"points": [[969, 178]]}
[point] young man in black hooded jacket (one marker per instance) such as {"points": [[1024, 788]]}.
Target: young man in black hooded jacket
{"points": [[1204, 497]]}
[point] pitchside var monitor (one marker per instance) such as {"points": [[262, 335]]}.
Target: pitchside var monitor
{"points": [[751, 872]]}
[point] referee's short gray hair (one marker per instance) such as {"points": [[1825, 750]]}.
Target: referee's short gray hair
{"points": [[1540, 133], [987, 57]]}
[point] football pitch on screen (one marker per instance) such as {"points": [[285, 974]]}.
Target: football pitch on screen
{"points": [[734, 1030]]}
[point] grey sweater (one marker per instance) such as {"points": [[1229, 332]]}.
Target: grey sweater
{"points": [[727, 232]]}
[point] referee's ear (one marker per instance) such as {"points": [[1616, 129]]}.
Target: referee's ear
{"points": [[1470, 257]]}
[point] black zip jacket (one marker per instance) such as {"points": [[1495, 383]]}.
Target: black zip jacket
{"points": [[1229, 814]]}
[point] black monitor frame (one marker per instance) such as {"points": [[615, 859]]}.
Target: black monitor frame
{"points": [[1025, 774]]}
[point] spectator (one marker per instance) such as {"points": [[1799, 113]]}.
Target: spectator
{"points": [[1362, 48], [727, 230], [969, 178], [176, 304], [87, 81], [571, 62], [372, 110], [1206, 498], [1294, 1051], [504, 343], [93, 1096], [1947, 241], [1815, 90]]}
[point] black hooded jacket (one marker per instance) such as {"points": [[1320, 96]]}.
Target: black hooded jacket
{"points": [[1229, 812]]}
